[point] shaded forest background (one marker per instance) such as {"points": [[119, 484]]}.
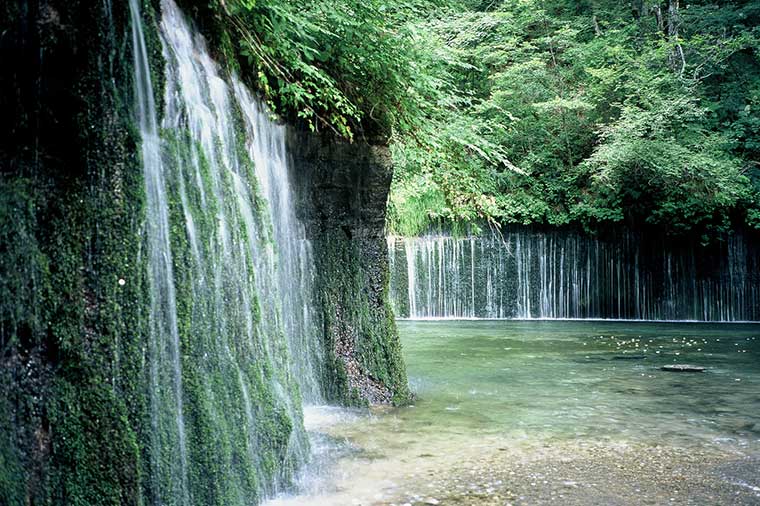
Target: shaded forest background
{"points": [[549, 112]]}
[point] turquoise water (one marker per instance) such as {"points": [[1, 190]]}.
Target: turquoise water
{"points": [[502, 402], [585, 379]]}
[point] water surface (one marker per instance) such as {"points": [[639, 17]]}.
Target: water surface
{"points": [[531, 411]]}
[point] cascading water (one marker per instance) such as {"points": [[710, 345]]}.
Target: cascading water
{"points": [[295, 273], [561, 274], [166, 397], [234, 344]]}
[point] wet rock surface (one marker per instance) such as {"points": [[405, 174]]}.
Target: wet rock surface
{"points": [[342, 192]]}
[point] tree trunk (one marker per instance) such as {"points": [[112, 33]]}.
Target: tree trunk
{"points": [[673, 19], [657, 10], [676, 59]]}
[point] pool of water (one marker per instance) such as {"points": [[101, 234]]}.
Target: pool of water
{"points": [[500, 404]]}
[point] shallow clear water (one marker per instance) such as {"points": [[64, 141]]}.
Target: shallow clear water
{"points": [[580, 379], [537, 390]]}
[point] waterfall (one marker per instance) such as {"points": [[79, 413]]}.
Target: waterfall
{"points": [[524, 273], [165, 367], [234, 343], [295, 275]]}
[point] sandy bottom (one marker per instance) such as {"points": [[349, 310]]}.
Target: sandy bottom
{"points": [[508, 471]]}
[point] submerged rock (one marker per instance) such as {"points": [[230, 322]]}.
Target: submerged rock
{"points": [[682, 368]]}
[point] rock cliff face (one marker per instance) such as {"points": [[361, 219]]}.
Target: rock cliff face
{"points": [[71, 205], [343, 190], [75, 376]]}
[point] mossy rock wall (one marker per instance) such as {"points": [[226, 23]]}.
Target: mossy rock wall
{"points": [[75, 414], [71, 204], [343, 190]]}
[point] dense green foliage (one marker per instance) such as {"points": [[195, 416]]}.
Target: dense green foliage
{"points": [[530, 111], [606, 113], [339, 66]]}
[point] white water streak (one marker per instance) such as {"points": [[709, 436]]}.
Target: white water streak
{"points": [[535, 275], [164, 335]]}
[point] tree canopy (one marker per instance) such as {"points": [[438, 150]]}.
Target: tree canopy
{"points": [[528, 111]]}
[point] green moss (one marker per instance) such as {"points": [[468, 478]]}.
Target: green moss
{"points": [[13, 477], [90, 423], [71, 390], [151, 21], [23, 264], [355, 323]]}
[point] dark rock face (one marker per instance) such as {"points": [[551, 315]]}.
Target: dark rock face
{"points": [[343, 191], [341, 185], [70, 211]]}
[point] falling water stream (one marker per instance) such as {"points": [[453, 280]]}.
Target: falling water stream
{"points": [[529, 274], [233, 335], [165, 367]]}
